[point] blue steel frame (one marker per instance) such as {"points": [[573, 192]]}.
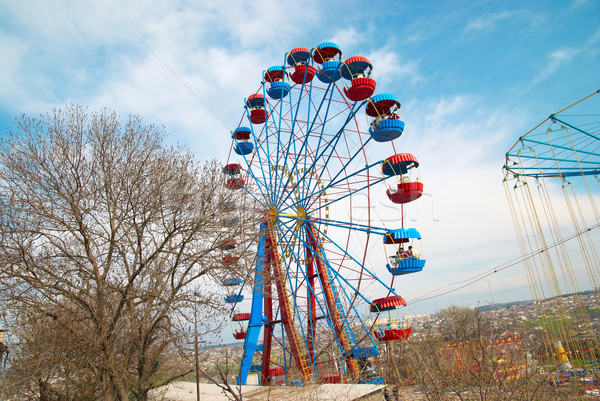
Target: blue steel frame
{"points": [[256, 313]]}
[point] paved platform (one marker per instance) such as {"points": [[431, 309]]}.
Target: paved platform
{"points": [[185, 391]]}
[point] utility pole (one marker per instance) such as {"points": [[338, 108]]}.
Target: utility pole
{"points": [[196, 348]]}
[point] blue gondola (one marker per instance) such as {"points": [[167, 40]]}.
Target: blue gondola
{"points": [[232, 299], [387, 125], [232, 281], [278, 88], [328, 55], [373, 380], [403, 263], [406, 266], [244, 148], [387, 130], [365, 352]]}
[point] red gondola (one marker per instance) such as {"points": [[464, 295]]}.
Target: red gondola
{"points": [[387, 303], [229, 260], [331, 378], [232, 169], [390, 328], [240, 335], [240, 316], [401, 165], [235, 183], [227, 244], [242, 133], [256, 104], [303, 71], [357, 70], [393, 334]]}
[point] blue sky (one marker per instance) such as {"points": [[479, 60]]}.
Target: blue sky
{"points": [[471, 76]]}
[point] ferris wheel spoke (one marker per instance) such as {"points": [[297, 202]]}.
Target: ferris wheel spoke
{"points": [[345, 252], [327, 96], [333, 183], [280, 146], [339, 136], [330, 146], [345, 166], [328, 313], [247, 191], [260, 149], [301, 242], [296, 284], [369, 229], [352, 192]]}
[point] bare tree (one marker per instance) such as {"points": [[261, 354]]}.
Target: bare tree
{"points": [[106, 234], [463, 359]]}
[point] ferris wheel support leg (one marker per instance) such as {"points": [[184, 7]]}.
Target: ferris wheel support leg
{"points": [[268, 326], [340, 325], [299, 353], [256, 313], [312, 304]]}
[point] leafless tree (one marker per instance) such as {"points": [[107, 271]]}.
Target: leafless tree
{"points": [[106, 233], [466, 361]]}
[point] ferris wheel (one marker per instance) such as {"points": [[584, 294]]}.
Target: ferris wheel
{"points": [[300, 158]]}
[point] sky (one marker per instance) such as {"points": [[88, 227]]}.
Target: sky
{"points": [[472, 77]]}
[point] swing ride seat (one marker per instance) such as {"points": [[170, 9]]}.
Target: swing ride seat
{"points": [[230, 221], [399, 164], [227, 244], [229, 260], [400, 235], [227, 206], [258, 116], [328, 55], [330, 72], [232, 169], [239, 336], [387, 303], [357, 70], [256, 104]]}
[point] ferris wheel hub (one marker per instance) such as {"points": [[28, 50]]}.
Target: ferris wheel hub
{"points": [[299, 216], [273, 214]]}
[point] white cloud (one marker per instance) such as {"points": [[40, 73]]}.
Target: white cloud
{"points": [[389, 68], [345, 38], [493, 20]]}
